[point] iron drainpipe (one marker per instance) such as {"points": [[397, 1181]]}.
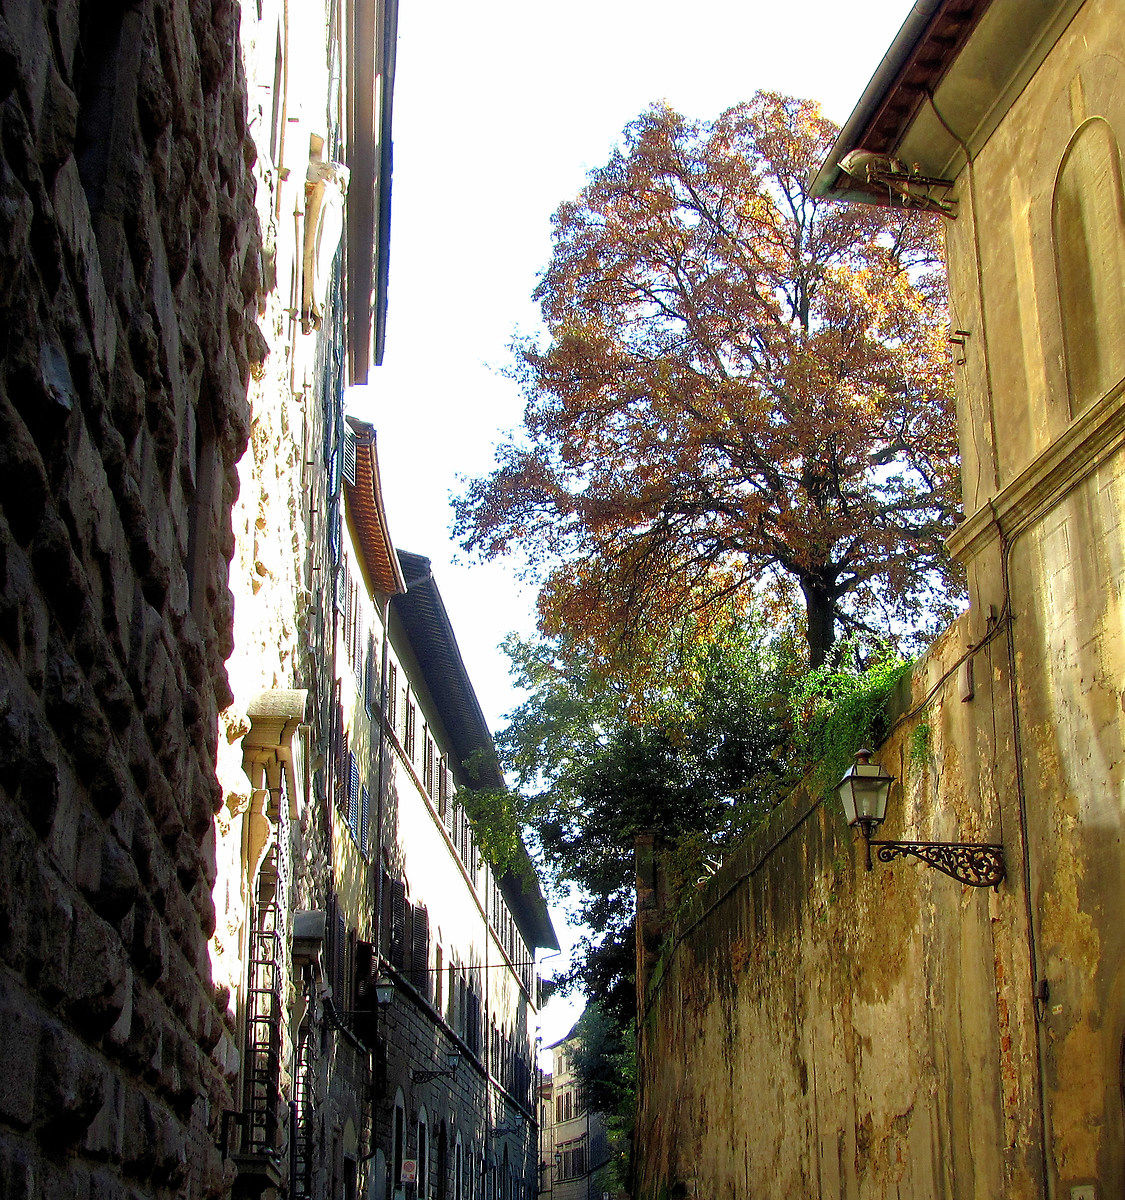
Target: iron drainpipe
{"points": [[383, 680], [1006, 546], [384, 672]]}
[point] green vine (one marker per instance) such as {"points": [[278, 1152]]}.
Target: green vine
{"points": [[921, 742], [837, 712]]}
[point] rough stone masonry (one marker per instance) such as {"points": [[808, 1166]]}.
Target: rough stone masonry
{"points": [[128, 261]]}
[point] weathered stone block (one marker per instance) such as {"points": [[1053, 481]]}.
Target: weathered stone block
{"points": [[22, 1029], [98, 980], [71, 1086]]}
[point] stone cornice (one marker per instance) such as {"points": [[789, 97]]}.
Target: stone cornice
{"points": [[1082, 447]]}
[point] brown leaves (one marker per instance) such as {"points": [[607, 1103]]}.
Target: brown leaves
{"points": [[740, 380]]}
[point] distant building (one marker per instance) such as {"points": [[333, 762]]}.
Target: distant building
{"points": [[573, 1147], [420, 907]]}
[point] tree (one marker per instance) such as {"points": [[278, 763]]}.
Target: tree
{"points": [[706, 756], [741, 384]]}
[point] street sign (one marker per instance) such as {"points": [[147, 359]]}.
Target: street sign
{"points": [[409, 1170]]}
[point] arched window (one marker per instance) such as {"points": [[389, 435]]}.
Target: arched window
{"points": [[398, 1131], [458, 1170], [441, 1170], [423, 1175], [1088, 226]]}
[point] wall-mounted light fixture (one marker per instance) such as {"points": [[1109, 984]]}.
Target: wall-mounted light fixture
{"points": [[452, 1062], [384, 990], [514, 1124], [863, 793]]}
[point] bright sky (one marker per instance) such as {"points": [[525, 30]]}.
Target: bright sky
{"points": [[502, 107]]}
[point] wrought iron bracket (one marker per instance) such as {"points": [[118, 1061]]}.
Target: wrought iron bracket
{"points": [[978, 864], [426, 1076]]}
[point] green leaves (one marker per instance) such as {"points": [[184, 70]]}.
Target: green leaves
{"points": [[837, 712]]}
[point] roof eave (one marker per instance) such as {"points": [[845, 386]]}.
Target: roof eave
{"points": [[365, 504], [886, 83]]}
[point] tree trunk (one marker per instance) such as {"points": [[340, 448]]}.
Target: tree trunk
{"points": [[820, 610]]}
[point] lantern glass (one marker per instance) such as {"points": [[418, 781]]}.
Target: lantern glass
{"points": [[384, 990], [453, 1059], [863, 792]]}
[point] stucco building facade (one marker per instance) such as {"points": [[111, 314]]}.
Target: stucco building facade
{"points": [[815, 1029], [453, 1115], [573, 1148]]}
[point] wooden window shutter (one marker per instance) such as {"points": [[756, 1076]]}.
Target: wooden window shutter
{"points": [[420, 951], [339, 953], [472, 1035], [392, 697], [349, 455], [398, 923], [443, 788], [364, 818], [353, 795]]}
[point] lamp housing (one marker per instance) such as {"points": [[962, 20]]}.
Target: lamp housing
{"points": [[384, 990], [863, 792]]}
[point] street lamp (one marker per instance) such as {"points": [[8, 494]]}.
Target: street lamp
{"points": [[863, 793], [384, 990]]}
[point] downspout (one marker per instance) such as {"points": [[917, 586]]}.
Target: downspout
{"points": [[487, 1031], [1006, 548], [384, 679]]}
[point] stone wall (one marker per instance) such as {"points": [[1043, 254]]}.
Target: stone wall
{"points": [[812, 1029], [128, 259]]}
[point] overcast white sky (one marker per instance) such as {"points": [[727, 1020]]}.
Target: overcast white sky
{"points": [[501, 109]]}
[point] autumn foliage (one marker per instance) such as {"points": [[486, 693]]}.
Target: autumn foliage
{"points": [[742, 388]]}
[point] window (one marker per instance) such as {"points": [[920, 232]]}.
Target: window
{"points": [[570, 1159], [411, 718], [392, 697], [397, 1141], [420, 949], [1089, 235], [423, 1175], [427, 761], [443, 788], [371, 680]]}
